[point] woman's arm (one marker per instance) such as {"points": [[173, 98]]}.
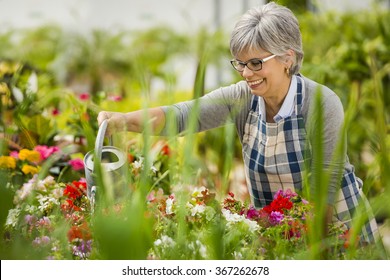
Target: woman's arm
{"points": [[133, 121]]}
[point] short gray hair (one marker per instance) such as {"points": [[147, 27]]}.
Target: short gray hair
{"points": [[271, 27]]}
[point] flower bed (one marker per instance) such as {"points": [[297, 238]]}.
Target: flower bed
{"points": [[56, 220]]}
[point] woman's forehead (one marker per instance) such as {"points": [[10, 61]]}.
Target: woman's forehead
{"points": [[250, 53]]}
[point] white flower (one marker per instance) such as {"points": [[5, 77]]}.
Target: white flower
{"points": [[45, 202], [237, 255], [24, 191], [49, 180], [139, 163], [198, 208], [165, 240], [32, 83], [57, 193], [12, 218], [30, 208], [202, 249], [253, 226], [169, 204], [41, 186], [154, 169], [198, 191], [232, 218], [198, 246]]}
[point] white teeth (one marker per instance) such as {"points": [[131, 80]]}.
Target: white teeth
{"points": [[255, 82]]}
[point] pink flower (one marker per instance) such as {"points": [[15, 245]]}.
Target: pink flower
{"points": [[287, 194], [304, 201], [84, 96], [46, 151], [44, 222], [252, 213], [14, 154], [115, 98], [77, 164]]}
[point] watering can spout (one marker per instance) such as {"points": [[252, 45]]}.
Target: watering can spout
{"points": [[112, 161]]}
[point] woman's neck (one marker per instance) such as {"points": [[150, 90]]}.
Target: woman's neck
{"points": [[274, 103]]}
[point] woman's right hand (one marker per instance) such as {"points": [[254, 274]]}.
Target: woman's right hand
{"points": [[116, 121], [133, 121]]}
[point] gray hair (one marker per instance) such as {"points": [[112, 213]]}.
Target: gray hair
{"points": [[271, 27]]}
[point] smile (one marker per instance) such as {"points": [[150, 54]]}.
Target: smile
{"points": [[255, 83]]}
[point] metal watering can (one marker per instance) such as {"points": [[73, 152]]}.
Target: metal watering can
{"points": [[114, 166]]}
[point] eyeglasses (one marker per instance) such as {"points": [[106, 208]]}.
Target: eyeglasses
{"points": [[254, 64]]}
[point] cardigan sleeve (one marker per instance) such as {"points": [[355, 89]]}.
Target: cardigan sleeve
{"points": [[212, 110], [334, 151]]}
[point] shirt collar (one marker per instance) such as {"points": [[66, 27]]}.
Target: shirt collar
{"points": [[287, 108]]}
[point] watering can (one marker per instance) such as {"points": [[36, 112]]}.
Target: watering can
{"points": [[113, 164]]}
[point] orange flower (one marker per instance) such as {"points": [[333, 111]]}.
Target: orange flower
{"points": [[79, 232], [7, 162]]}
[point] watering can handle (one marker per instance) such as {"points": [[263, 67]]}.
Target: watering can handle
{"points": [[100, 139]]}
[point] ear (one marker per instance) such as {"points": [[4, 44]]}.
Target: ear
{"points": [[289, 58]]}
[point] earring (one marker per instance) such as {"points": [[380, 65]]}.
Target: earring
{"points": [[288, 71]]}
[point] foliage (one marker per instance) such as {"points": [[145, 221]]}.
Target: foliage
{"points": [[53, 83]]}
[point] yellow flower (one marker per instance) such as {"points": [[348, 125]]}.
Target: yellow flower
{"points": [[7, 162], [4, 89], [32, 156], [28, 169]]}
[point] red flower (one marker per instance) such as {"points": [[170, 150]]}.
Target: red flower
{"points": [[165, 150], [130, 157], [55, 112], [68, 206], [346, 237], [75, 190], [297, 229], [279, 205]]}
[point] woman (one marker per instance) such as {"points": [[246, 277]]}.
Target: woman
{"points": [[273, 111]]}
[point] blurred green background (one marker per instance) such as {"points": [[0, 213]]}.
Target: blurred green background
{"points": [[349, 51]]}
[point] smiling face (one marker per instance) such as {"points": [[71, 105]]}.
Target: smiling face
{"points": [[271, 81]]}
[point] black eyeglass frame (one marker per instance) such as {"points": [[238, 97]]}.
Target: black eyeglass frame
{"points": [[236, 63]]}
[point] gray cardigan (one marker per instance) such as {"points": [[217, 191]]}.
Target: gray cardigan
{"points": [[233, 103]]}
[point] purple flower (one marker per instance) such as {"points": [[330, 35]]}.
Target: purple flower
{"points": [[45, 240], [276, 217], [36, 241], [30, 219], [279, 192], [83, 249]]}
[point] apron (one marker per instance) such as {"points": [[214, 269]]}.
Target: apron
{"points": [[274, 155]]}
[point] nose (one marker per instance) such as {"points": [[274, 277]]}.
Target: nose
{"points": [[247, 72]]}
